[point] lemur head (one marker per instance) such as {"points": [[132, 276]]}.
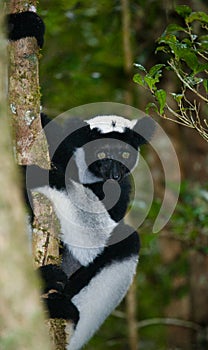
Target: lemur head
{"points": [[110, 147]]}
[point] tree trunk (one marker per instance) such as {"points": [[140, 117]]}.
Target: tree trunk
{"points": [[24, 97], [31, 148], [21, 324], [131, 303]]}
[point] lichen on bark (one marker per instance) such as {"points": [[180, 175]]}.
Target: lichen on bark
{"points": [[45, 232], [24, 102], [46, 228]]}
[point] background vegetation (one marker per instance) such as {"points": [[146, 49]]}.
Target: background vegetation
{"points": [[83, 61]]}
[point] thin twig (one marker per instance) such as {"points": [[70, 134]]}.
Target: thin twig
{"points": [[186, 83], [169, 322]]}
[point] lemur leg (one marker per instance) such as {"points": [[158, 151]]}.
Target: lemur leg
{"points": [[58, 304], [93, 291]]}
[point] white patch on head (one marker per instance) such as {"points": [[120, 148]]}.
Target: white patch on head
{"points": [[110, 123], [100, 297], [85, 222], [85, 176], [32, 8]]}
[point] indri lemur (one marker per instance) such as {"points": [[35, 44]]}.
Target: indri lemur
{"points": [[89, 186]]}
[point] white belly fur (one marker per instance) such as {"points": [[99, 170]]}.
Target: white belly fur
{"points": [[85, 223]]}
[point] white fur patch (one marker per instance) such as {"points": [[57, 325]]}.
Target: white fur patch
{"points": [[85, 176], [110, 123], [85, 223], [99, 298]]}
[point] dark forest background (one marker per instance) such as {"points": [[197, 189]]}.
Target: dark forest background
{"points": [[82, 62]]}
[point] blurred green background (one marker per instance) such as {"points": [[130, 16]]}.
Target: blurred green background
{"points": [[85, 60]]}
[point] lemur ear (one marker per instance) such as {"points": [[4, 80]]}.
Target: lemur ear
{"points": [[144, 130], [76, 132]]}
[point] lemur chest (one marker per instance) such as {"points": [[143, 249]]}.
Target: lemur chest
{"points": [[85, 223]]}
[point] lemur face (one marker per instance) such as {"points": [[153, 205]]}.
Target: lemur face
{"points": [[114, 151], [102, 148], [111, 159], [110, 147]]}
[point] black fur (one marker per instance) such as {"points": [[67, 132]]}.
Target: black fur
{"points": [[118, 211], [26, 24], [118, 252], [59, 303]]}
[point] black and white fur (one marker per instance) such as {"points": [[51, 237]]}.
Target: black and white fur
{"points": [[92, 162]]}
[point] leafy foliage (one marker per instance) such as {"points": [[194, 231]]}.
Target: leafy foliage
{"points": [[189, 222], [83, 54], [186, 49]]}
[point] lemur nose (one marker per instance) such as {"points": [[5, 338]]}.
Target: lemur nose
{"points": [[116, 177], [115, 172]]}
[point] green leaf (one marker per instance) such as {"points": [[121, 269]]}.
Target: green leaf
{"points": [[191, 59], [177, 97], [162, 48], [203, 40], [149, 106], [153, 76], [150, 82], [172, 28], [197, 16], [161, 97], [183, 10], [140, 67], [187, 43], [183, 51], [172, 43], [156, 69], [138, 79], [167, 39], [205, 83], [202, 67]]}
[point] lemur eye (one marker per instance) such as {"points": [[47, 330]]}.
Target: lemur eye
{"points": [[125, 155], [101, 155]]}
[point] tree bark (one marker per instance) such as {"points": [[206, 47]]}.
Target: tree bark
{"points": [[31, 148], [21, 324], [24, 97], [46, 251]]}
